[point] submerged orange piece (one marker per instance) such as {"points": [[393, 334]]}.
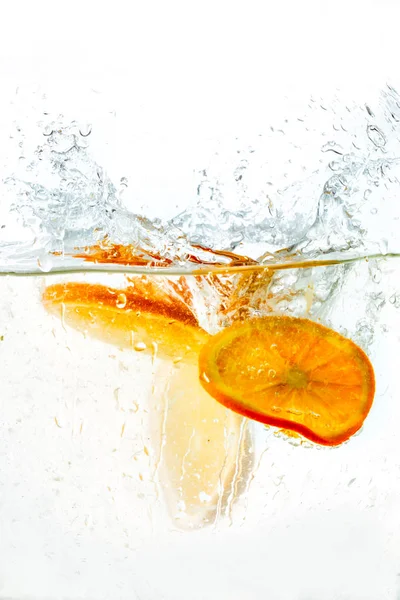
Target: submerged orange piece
{"points": [[138, 317], [291, 373]]}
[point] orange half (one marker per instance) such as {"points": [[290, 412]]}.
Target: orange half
{"points": [[291, 373]]}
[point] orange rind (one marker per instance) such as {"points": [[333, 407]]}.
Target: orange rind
{"points": [[291, 373], [141, 316]]}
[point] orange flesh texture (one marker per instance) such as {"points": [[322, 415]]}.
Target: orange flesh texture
{"points": [[141, 316], [291, 373]]}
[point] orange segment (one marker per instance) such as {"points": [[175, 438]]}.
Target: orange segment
{"points": [[136, 317], [292, 373]]}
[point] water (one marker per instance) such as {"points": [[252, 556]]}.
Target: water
{"points": [[106, 445], [274, 193], [120, 474]]}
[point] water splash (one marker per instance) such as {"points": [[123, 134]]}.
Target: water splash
{"points": [[276, 195]]}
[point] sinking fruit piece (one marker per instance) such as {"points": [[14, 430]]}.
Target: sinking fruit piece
{"points": [[291, 373], [201, 445], [202, 463], [137, 317]]}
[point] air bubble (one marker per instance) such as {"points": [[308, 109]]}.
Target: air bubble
{"points": [[139, 346], [121, 300]]}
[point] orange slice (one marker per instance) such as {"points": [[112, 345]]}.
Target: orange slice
{"points": [[202, 448], [137, 317], [291, 373]]}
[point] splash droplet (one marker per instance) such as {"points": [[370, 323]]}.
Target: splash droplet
{"points": [[332, 147], [85, 129], [376, 136]]}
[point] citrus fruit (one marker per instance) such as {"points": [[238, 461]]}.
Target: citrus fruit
{"points": [[202, 448], [200, 444], [292, 373], [138, 317]]}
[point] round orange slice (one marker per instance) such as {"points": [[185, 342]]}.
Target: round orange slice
{"points": [[136, 317], [291, 373]]}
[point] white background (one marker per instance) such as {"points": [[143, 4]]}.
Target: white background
{"points": [[207, 67], [202, 64]]}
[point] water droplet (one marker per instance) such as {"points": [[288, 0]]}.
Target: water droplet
{"points": [[85, 129], [271, 373], [378, 301], [376, 276], [395, 300], [139, 346], [335, 165], [45, 263], [47, 130], [121, 300], [364, 333], [374, 211], [124, 181], [332, 147], [367, 194], [376, 136], [383, 246], [369, 111]]}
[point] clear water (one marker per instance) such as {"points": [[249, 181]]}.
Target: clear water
{"points": [[98, 454], [323, 180]]}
